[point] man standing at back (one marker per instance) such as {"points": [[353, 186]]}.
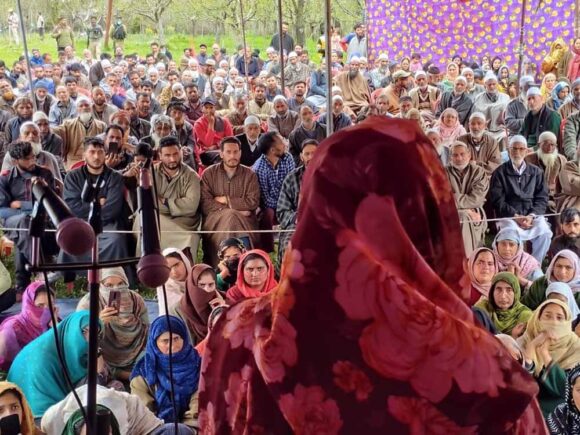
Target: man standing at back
{"points": [[287, 40]]}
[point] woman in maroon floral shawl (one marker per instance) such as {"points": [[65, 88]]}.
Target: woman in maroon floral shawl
{"points": [[367, 332]]}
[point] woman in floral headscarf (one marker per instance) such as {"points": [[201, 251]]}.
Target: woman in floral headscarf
{"points": [[449, 127], [310, 357], [548, 85]]}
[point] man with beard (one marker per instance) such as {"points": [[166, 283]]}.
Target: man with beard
{"points": [[308, 129], [183, 130], [405, 104], [249, 141], [194, 109], [51, 143], [442, 151], [355, 88], [289, 199], [518, 192], [492, 104], [239, 114], [358, 44], [178, 196], [29, 132], [63, 108], [74, 131], [23, 108], [458, 100], [287, 40], [484, 149], [469, 184], [539, 118], [295, 71], [197, 77], [340, 119], [42, 98], [517, 108], [551, 162], [272, 88], [230, 195], [140, 128], [101, 109], [147, 88], [222, 100], [135, 82], [573, 105], [161, 126], [317, 92], [425, 97], [144, 106], [209, 130], [473, 89], [16, 206], [284, 120], [110, 196], [271, 168], [259, 106], [299, 100], [381, 72], [569, 237]]}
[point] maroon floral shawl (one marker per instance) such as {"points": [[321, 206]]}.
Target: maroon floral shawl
{"points": [[366, 333]]}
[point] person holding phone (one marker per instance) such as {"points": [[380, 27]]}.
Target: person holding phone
{"points": [[15, 414], [126, 322]]}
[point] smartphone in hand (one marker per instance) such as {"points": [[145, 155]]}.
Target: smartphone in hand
{"points": [[10, 425], [114, 299]]}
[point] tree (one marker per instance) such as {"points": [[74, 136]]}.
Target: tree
{"points": [[153, 10]]}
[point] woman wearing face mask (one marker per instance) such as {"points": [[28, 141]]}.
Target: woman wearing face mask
{"points": [[563, 292], [509, 252], [150, 379], [19, 330], [565, 268], [180, 267], [125, 319], [565, 419], [503, 306], [200, 297], [550, 349]]}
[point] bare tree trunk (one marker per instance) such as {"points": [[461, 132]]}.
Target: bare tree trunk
{"points": [[160, 30], [299, 21]]}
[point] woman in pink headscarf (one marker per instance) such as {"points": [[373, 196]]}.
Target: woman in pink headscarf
{"points": [[19, 330], [449, 126], [369, 331]]}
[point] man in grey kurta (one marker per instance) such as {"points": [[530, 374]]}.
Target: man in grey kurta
{"points": [[469, 184], [484, 149], [517, 108], [114, 215], [178, 195], [492, 104]]}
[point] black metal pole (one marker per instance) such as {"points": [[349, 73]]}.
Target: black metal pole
{"points": [[25, 44], [281, 46], [521, 48], [329, 115], [93, 275]]}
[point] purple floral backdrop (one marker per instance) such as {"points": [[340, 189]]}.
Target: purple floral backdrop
{"points": [[439, 29]]}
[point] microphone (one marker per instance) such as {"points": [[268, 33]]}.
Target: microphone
{"points": [[152, 269], [73, 235]]}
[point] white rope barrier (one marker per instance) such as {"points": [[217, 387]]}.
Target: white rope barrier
{"points": [[506, 218]]}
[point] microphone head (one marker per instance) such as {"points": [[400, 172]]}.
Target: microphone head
{"points": [[75, 236], [153, 270]]}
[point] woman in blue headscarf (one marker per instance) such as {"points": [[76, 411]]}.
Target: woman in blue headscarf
{"points": [[37, 369], [150, 379], [560, 95]]}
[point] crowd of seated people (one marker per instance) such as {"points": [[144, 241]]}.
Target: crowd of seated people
{"points": [[229, 152]]}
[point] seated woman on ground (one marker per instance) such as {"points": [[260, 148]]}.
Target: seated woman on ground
{"points": [[150, 379], [180, 267], [503, 305], [230, 251], [564, 267], [37, 368], [19, 330], [130, 416], [563, 292], [566, 417], [481, 267], [13, 402], [200, 298], [255, 277], [509, 252], [126, 323], [550, 349]]}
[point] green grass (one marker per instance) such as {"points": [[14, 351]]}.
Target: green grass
{"points": [[140, 44]]}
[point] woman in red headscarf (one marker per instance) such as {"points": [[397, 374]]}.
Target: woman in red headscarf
{"points": [[255, 277], [367, 332]]}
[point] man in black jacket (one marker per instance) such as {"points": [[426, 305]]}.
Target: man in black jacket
{"points": [[518, 192]]}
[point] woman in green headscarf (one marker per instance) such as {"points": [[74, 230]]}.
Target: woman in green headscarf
{"points": [[503, 306], [37, 369]]}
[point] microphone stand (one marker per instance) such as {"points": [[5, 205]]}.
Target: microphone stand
{"points": [[97, 423]]}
